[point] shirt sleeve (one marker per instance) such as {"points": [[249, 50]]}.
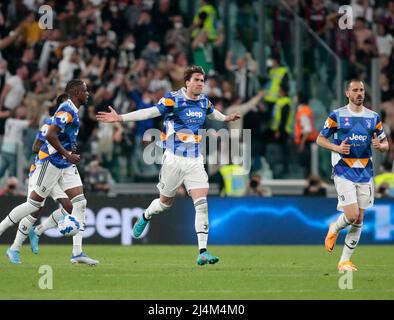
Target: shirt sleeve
{"points": [[210, 107], [330, 126], [379, 128], [63, 116], [42, 132], [166, 104]]}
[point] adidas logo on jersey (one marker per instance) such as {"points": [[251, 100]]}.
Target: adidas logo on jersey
{"points": [[356, 137], [194, 114]]}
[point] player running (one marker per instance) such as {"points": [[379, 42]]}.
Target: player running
{"points": [[355, 129], [184, 114], [56, 164], [57, 194]]}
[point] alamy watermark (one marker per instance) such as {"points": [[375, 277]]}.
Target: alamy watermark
{"points": [[46, 280], [218, 147], [346, 19], [345, 281], [46, 17]]}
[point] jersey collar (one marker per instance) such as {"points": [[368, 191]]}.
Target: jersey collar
{"points": [[356, 114], [72, 105], [183, 90]]}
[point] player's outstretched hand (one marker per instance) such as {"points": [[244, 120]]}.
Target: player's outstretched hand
{"points": [[233, 117], [111, 116], [376, 141], [344, 147], [73, 158]]}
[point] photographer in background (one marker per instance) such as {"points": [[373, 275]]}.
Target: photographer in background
{"points": [[11, 188], [256, 187], [315, 187]]}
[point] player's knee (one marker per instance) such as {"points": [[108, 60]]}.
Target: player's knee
{"points": [[34, 204], [66, 204], [166, 202]]}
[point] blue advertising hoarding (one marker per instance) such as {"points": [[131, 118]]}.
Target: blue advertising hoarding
{"points": [[250, 220]]}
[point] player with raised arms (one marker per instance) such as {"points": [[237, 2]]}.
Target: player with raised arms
{"points": [[184, 114]]}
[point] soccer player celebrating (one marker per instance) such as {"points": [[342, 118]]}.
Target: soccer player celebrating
{"points": [[355, 129], [184, 114], [57, 164]]}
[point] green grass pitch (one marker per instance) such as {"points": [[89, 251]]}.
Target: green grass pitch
{"points": [[170, 272]]}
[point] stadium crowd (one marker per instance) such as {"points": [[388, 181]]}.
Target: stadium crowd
{"points": [[130, 52]]}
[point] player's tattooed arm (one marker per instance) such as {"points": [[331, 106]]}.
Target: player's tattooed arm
{"points": [[53, 138]]}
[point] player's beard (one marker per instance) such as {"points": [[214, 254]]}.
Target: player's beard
{"points": [[358, 102]]}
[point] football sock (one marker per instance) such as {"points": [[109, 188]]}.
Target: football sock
{"points": [[201, 222], [50, 222], [79, 205], [155, 207], [351, 241], [341, 223], [77, 243], [23, 231], [18, 213]]}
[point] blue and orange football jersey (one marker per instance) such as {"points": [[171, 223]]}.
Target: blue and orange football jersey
{"points": [[40, 137], [359, 129], [183, 120], [67, 119]]}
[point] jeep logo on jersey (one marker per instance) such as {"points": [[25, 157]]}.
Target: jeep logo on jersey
{"points": [[197, 114], [356, 137]]}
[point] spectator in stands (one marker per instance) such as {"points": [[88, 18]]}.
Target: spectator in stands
{"points": [[4, 74], [256, 187], [202, 50], [246, 22], [243, 72], [205, 20], [30, 30], [12, 94], [281, 127], [385, 178], [386, 88], [11, 188], [385, 41], [177, 70], [278, 75], [362, 9], [98, 179], [145, 31], [151, 53], [315, 187], [383, 191], [69, 65], [388, 17], [233, 181], [365, 48], [305, 132], [178, 36], [315, 16], [13, 139]]}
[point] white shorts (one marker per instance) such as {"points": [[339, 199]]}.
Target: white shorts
{"points": [[46, 177], [56, 192], [176, 170], [351, 192]]}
